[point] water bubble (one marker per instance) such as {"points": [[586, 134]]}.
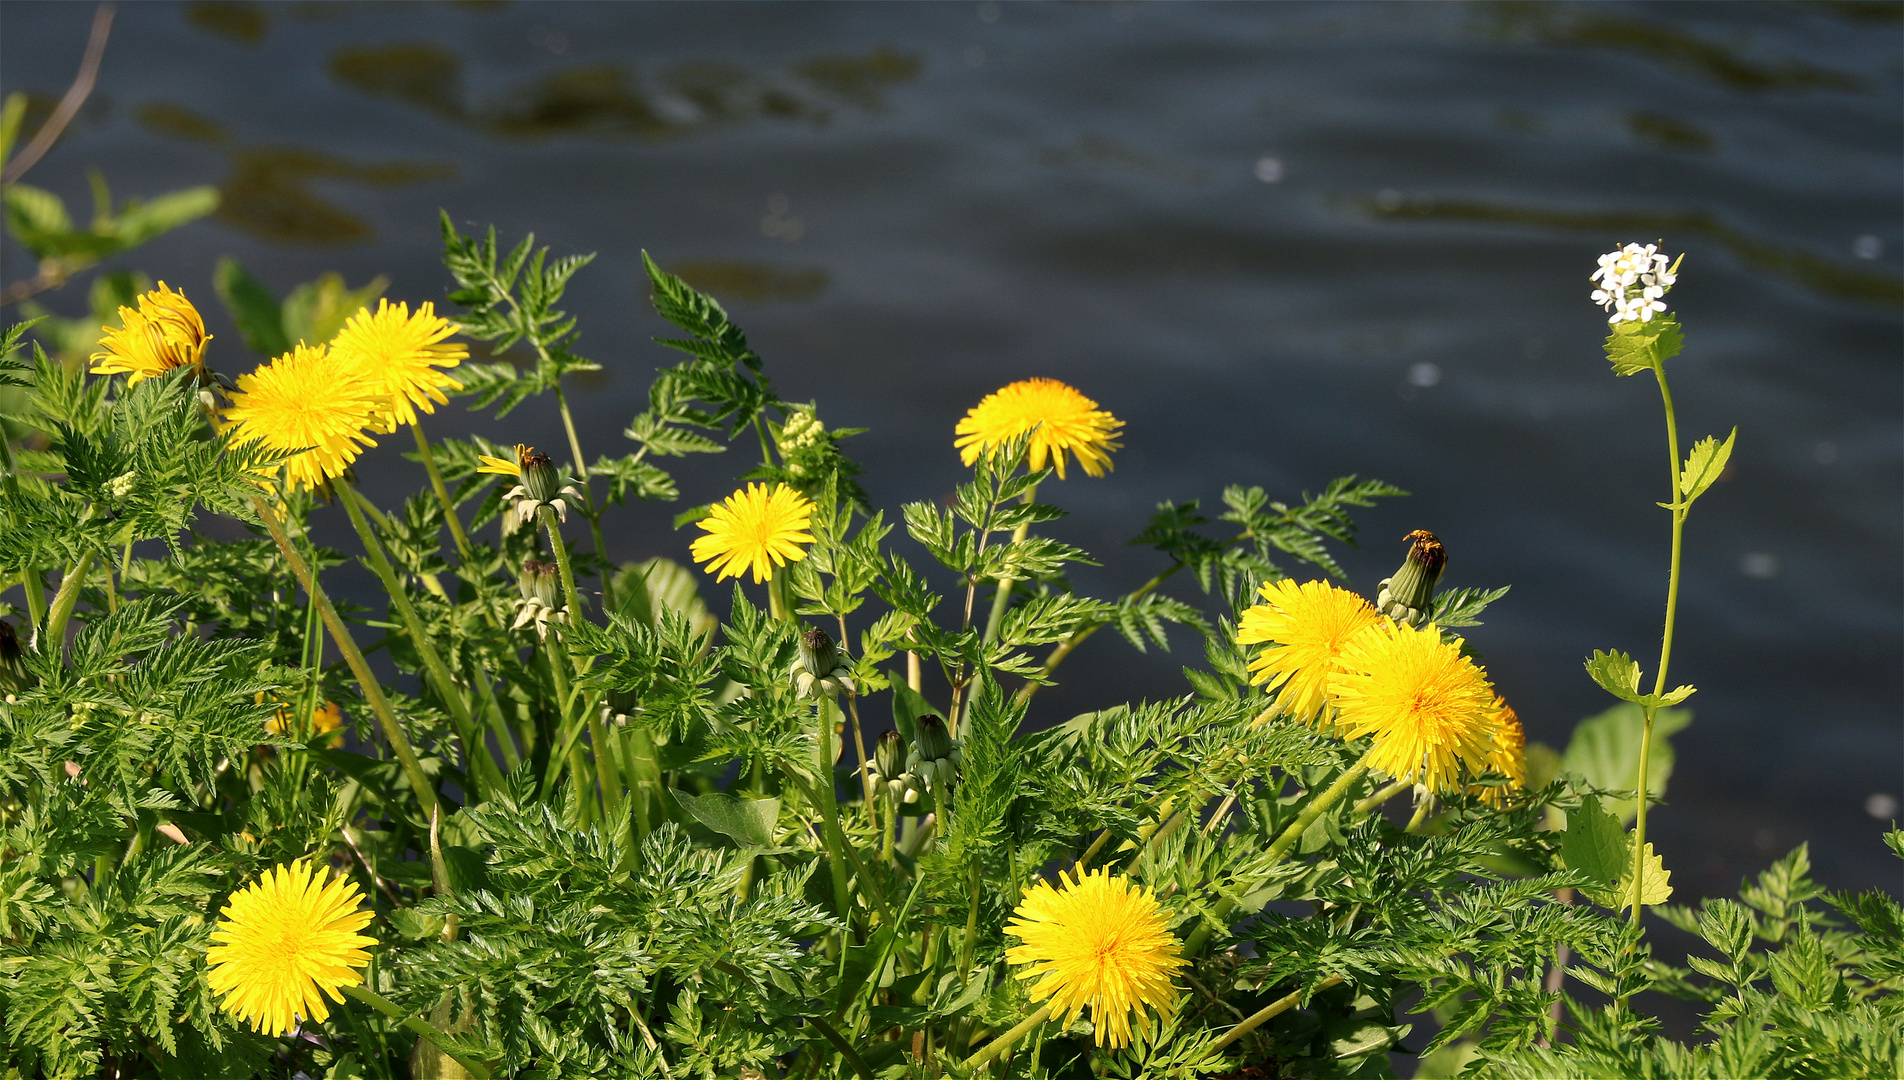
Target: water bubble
{"points": [[975, 56], [1867, 247], [989, 11], [1269, 169], [1825, 452], [1881, 805], [1762, 565], [1388, 200], [1425, 373]]}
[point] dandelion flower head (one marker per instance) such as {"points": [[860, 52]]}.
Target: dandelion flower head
{"points": [[398, 354], [757, 529], [1306, 627], [1430, 710], [1632, 280], [301, 401], [283, 943], [1098, 941], [325, 719], [1507, 753], [163, 333], [1067, 422]]}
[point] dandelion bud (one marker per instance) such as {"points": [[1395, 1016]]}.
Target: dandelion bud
{"points": [[889, 754], [540, 482], [539, 583], [934, 740], [1408, 597], [935, 757], [818, 654]]}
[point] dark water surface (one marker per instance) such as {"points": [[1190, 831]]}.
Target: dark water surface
{"points": [[1284, 242]]}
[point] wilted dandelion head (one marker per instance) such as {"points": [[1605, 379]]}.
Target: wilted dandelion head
{"points": [[398, 355], [757, 529], [1097, 940], [302, 401], [283, 943], [1067, 422], [1305, 627], [1430, 710], [163, 333]]}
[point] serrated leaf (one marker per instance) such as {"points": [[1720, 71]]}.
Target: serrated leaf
{"points": [[1616, 673], [748, 822], [1634, 347], [1655, 888], [1703, 466], [1594, 843]]}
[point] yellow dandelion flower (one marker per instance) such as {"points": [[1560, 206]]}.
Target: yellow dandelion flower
{"points": [[325, 719], [505, 466], [1430, 710], [1067, 422], [1306, 627], [759, 528], [398, 354], [1507, 753], [1100, 942], [163, 333], [301, 401], [283, 943]]}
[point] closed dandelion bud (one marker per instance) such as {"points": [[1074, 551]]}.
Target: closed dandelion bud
{"points": [[619, 706], [540, 482], [1408, 597], [934, 740], [539, 583], [818, 655], [889, 754], [935, 757]]}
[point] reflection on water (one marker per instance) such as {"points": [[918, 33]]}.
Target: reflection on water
{"points": [[610, 100], [1554, 24], [753, 282], [269, 192], [242, 22], [1096, 151], [1821, 275], [1668, 133]]}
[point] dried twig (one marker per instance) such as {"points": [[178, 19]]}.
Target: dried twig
{"points": [[76, 95]]}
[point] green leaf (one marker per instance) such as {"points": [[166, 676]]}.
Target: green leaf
{"points": [[1703, 466], [1655, 888], [748, 822], [10, 116], [1594, 843], [139, 222], [1605, 752], [908, 706], [1634, 347], [1616, 673], [259, 317], [316, 310]]}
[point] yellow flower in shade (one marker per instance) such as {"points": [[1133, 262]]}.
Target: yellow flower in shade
{"points": [[1430, 710], [1507, 754], [325, 719], [758, 529], [398, 354], [1099, 941], [301, 401], [504, 466], [283, 943], [163, 333], [1067, 422], [1306, 627]]}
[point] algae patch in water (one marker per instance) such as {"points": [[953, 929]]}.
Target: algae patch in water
{"points": [[752, 282]]}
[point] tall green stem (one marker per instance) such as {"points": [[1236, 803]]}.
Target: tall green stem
{"points": [[35, 596], [475, 749], [1004, 1042], [354, 657], [442, 493], [1665, 642], [1003, 599], [1267, 1013], [829, 802], [417, 1026], [569, 596], [588, 496]]}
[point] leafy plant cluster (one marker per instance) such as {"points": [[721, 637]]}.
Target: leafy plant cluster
{"points": [[644, 843]]}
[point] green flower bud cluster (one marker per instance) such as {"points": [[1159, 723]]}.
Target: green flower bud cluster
{"points": [[936, 757], [887, 768], [541, 602], [1408, 597], [820, 667], [798, 438], [542, 485]]}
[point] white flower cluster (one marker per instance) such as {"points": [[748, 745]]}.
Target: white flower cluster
{"points": [[1632, 280]]}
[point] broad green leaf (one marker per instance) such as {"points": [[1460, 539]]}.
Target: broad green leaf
{"points": [[1634, 347], [259, 317], [1605, 752], [316, 310], [1616, 673], [748, 822], [1703, 466], [1593, 843], [139, 222], [1655, 882], [37, 219]]}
